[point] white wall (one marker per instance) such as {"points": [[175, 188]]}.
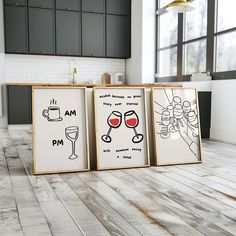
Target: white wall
{"points": [[223, 122], [134, 64], [148, 41], [140, 68]]}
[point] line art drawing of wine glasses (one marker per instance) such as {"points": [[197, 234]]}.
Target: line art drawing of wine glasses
{"points": [[165, 121], [72, 134], [114, 121], [179, 115], [132, 121]]}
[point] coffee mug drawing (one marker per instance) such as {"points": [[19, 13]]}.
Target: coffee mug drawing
{"points": [[52, 114]]}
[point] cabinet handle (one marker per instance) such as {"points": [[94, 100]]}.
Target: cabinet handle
{"points": [[68, 9], [17, 50], [69, 53], [40, 6], [43, 52]]}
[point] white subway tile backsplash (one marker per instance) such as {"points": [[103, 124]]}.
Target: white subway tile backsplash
{"points": [[54, 69]]}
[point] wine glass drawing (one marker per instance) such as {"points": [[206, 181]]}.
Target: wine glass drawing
{"points": [[114, 121], [132, 121], [72, 134]]}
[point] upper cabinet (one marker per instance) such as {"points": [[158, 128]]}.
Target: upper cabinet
{"points": [[118, 36], [41, 3], [68, 30], [16, 38], [16, 2], [93, 5], [69, 5], [93, 34], [41, 31], [119, 7], [90, 28]]}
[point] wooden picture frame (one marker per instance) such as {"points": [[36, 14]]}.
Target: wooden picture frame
{"points": [[176, 131], [60, 129], [121, 148]]}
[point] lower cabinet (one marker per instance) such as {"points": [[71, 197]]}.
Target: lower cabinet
{"points": [[19, 104], [204, 101]]}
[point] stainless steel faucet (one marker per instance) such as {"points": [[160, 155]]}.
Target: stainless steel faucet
{"points": [[74, 75]]}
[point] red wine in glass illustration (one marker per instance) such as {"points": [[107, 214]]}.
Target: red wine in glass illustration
{"points": [[114, 121], [72, 134], [132, 121]]}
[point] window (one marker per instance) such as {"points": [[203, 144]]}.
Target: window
{"points": [[167, 43], [195, 37], [198, 41], [225, 35]]}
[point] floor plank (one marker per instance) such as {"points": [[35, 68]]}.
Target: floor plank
{"points": [[49, 207], [80, 212], [147, 202], [171, 200], [114, 222], [9, 217], [209, 220], [141, 221]]}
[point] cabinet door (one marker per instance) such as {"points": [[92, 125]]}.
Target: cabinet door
{"points": [[41, 3], [68, 29], [41, 31], [68, 5], [16, 2], [93, 34], [118, 36], [204, 100], [16, 29], [93, 5], [19, 105], [119, 7]]}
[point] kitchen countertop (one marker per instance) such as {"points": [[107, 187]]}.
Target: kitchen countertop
{"points": [[95, 85]]}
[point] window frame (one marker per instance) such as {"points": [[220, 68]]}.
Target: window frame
{"points": [[210, 47]]}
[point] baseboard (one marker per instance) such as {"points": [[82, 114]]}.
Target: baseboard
{"points": [[225, 136], [12, 127]]}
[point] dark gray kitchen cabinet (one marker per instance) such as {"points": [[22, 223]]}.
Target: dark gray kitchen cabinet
{"points": [[68, 5], [93, 5], [19, 104], [16, 2], [118, 36], [58, 27], [68, 29], [16, 38], [93, 34], [118, 7], [204, 100], [41, 31], [41, 3]]}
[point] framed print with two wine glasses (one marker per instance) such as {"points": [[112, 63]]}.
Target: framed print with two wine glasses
{"points": [[121, 127], [177, 138], [60, 130]]}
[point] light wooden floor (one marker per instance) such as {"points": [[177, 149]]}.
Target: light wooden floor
{"points": [[176, 200]]}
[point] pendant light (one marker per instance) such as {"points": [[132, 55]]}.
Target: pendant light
{"points": [[179, 6]]}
